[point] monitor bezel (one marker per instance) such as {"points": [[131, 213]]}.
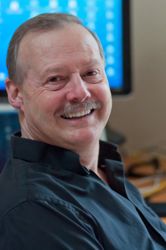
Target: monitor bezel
{"points": [[126, 45]]}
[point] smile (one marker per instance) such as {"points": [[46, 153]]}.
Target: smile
{"points": [[77, 115], [80, 110]]}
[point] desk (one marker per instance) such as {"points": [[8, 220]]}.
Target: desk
{"points": [[160, 195]]}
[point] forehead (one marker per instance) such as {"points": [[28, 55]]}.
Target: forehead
{"points": [[66, 41]]}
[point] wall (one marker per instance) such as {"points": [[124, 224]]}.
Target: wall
{"points": [[141, 117]]}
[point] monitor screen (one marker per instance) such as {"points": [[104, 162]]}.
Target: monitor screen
{"points": [[109, 19]]}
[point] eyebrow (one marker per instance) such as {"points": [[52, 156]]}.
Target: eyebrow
{"points": [[53, 68], [91, 62], [60, 67]]}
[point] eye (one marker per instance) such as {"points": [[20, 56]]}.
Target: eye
{"points": [[56, 79], [92, 76], [91, 73], [56, 82]]}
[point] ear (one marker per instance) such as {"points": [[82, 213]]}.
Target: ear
{"points": [[14, 94]]}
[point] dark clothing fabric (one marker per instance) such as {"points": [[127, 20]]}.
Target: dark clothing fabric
{"points": [[49, 201]]}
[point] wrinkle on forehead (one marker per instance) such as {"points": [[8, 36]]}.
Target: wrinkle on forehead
{"points": [[54, 44]]}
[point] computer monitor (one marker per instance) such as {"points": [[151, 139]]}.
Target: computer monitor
{"points": [[109, 19]]}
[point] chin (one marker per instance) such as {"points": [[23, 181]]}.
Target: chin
{"points": [[85, 137]]}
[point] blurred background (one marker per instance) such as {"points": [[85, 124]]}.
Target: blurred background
{"points": [[141, 115]]}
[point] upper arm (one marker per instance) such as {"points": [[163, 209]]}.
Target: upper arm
{"points": [[44, 226]]}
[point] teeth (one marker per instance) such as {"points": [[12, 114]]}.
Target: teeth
{"points": [[73, 111], [78, 114]]}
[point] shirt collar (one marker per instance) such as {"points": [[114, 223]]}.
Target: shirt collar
{"points": [[59, 158]]}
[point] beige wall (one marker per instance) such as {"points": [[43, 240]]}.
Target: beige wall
{"points": [[142, 115]]}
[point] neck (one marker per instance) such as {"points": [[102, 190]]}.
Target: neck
{"points": [[89, 157]]}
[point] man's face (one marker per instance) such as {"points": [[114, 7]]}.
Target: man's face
{"points": [[66, 97]]}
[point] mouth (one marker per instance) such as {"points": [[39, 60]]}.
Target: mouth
{"points": [[77, 115], [80, 110]]}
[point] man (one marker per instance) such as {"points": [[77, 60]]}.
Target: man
{"points": [[62, 188]]}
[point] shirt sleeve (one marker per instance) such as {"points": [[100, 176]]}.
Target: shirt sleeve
{"points": [[45, 225], [147, 213]]}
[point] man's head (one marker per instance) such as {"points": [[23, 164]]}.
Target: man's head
{"points": [[58, 81], [40, 23]]}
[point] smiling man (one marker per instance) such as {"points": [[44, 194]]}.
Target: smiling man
{"points": [[62, 188]]}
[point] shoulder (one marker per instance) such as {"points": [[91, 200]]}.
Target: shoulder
{"points": [[20, 183], [32, 224]]}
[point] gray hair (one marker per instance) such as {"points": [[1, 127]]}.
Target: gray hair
{"points": [[42, 22]]}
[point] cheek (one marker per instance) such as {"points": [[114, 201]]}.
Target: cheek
{"points": [[51, 104], [103, 94]]}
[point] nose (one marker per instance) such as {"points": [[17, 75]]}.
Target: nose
{"points": [[78, 91]]}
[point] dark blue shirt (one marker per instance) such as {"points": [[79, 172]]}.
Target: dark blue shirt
{"points": [[49, 201]]}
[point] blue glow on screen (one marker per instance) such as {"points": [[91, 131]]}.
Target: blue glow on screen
{"points": [[103, 17]]}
